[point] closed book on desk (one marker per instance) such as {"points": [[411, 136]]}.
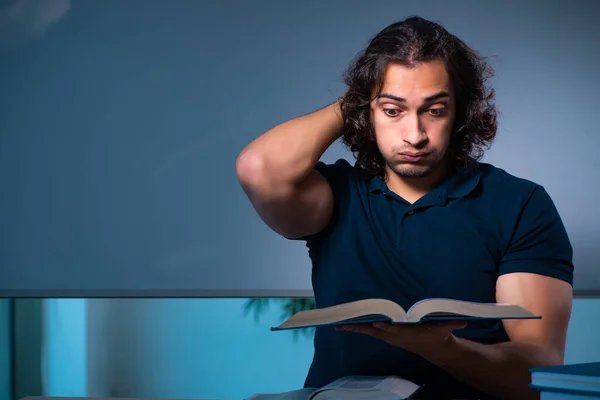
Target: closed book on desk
{"points": [[376, 310], [568, 382]]}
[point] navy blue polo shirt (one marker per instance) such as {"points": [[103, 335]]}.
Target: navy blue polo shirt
{"points": [[453, 242]]}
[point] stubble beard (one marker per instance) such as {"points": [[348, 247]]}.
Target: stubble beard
{"points": [[412, 170]]}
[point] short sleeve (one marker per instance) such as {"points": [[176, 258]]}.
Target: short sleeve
{"points": [[338, 175], [539, 243]]}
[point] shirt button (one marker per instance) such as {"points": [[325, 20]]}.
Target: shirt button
{"points": [[410, 212]]}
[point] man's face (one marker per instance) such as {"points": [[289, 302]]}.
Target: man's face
{"points": [[413, 118]]}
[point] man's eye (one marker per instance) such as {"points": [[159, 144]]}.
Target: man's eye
{"points": [[437, 112], [391, 112]]}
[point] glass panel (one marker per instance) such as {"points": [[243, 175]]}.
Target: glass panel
{"points": [[171, 348], [28, 338]]}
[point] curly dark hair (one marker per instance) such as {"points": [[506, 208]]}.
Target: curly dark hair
{"points": [[409, 42]]}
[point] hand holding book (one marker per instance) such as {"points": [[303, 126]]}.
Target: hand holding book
{"points": [[425, 328], [421, 339]]}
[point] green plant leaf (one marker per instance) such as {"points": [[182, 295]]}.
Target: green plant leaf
{"points": [[257, 307], [289, 307]]}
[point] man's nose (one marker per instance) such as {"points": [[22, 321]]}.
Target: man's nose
{"points": [[413, 132]]}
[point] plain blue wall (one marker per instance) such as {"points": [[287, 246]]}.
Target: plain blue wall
{"points": [[583, 339], [5, 350]]}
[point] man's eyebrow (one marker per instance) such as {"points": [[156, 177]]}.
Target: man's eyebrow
{"points": [[437, 96]]}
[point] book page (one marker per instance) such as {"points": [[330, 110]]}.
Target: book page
{"points": [[355, 387], [449, 307], [398, 386], [356, 395], [346, 311]]}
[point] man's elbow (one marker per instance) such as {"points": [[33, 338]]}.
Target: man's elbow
{"points": [[545, 356], [267, 192], [551, 357], [534, 354], [250, 169]]}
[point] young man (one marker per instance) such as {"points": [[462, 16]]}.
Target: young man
{"points": [[418, 216]]}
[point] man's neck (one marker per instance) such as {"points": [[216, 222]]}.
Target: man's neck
{"points": [[412, 189]]}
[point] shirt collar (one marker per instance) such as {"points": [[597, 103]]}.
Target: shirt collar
{"points": [[464, 181], [461, 183]]}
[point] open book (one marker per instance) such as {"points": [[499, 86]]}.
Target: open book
{"points": [[375, 310], [351, 388]]}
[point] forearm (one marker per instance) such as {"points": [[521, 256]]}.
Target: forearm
{"points": [[502, 370], [287, 153]]}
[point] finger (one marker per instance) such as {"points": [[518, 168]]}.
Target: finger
{"points": [[453, 325], [444, 326], [459, 325], [367, 329], [395, 329], [353, 327], [403, 330], [385, 326]]}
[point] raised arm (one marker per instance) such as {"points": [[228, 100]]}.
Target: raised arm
{"points": [[276, 171]]}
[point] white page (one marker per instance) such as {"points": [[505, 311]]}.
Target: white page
{"points": [[349, 394], [399, 387]]}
